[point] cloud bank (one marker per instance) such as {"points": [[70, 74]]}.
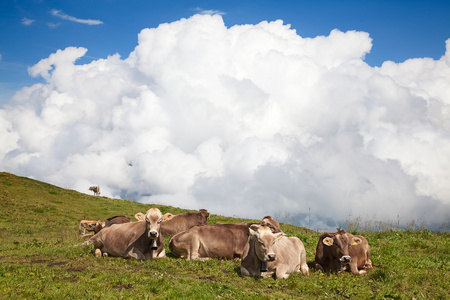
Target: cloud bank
{"points": [[244, 121]]}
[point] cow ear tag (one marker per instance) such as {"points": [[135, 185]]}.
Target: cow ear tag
{"points": [[354, 243], [328, 241]]}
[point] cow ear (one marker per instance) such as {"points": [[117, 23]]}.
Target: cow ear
{"points": [[278, 235], [356, 241], [253, 229], [139, 216], [328, 241], [167, 217]]}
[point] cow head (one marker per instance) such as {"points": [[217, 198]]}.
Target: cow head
{"points": [[86, 225], [340, 244], [264, 240], [271, 223], [204, 216], [153, 219]]}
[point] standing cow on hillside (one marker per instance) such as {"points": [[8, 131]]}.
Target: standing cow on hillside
{"points": [[340, 251], [95, 189]]}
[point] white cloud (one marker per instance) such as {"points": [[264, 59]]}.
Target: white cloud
{"points": [[60, 14], [202, 11], [27, 22], [246, 121], [53, 25]]}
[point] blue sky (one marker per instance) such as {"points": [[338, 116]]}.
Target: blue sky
{"points": [[33, 29]]}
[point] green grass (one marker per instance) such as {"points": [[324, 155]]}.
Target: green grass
{"points": [[39, 225]]}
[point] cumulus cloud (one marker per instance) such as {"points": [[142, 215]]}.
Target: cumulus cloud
{"points": [[245, 121], [61, 15]]}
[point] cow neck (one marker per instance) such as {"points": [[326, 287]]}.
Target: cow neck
{"points": [[262, 264]]}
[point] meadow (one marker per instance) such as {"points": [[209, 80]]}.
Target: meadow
{"points": [[39, 226]]}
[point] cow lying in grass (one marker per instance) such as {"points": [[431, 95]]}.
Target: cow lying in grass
{"points": [[342, 251], [182, 222], [96, 226], [268, 254], [225, 241], [139, 240]]}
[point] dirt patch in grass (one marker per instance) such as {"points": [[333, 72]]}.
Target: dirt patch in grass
{"points": [[77, 269], [58, 263], [123, 286]]}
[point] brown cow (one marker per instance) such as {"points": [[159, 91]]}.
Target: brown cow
{"points": [[268, 254], [341, 251], [111, 221], [132, 240], [181, 222], [213, 241], [95, 189], [184, 221]]}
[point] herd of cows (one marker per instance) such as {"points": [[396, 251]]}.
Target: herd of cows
{"points": [[263, 249]]}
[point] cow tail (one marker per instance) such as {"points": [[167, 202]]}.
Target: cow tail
{"points": [[87, 243]]}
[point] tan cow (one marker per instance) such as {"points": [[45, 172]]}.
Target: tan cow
{"points": [[139, 240], [95, 189], [86, 225], [225, 241], [96, 226], [268, 254], [341, 251]]}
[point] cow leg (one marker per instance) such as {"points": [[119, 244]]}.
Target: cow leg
{"points": [[98, 252], [161, 254], [98, 246], [303, 265], [135, 253], [368, 264], [318, 267], [192, 253], [281, 272], [354, 268]]}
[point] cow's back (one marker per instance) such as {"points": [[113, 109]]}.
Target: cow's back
{"points": [[117, 239], [211, 241], [111, 221], [183, 222]]}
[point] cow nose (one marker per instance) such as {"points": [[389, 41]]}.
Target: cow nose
{"points": [[153, 234], [271, 256], [346, 259]]}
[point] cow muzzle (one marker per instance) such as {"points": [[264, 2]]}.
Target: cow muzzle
{"points": [[270, 257], [153, 234], [345, 259]]}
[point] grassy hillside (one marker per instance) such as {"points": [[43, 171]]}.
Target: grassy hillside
{"points": [[39, 225]]}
